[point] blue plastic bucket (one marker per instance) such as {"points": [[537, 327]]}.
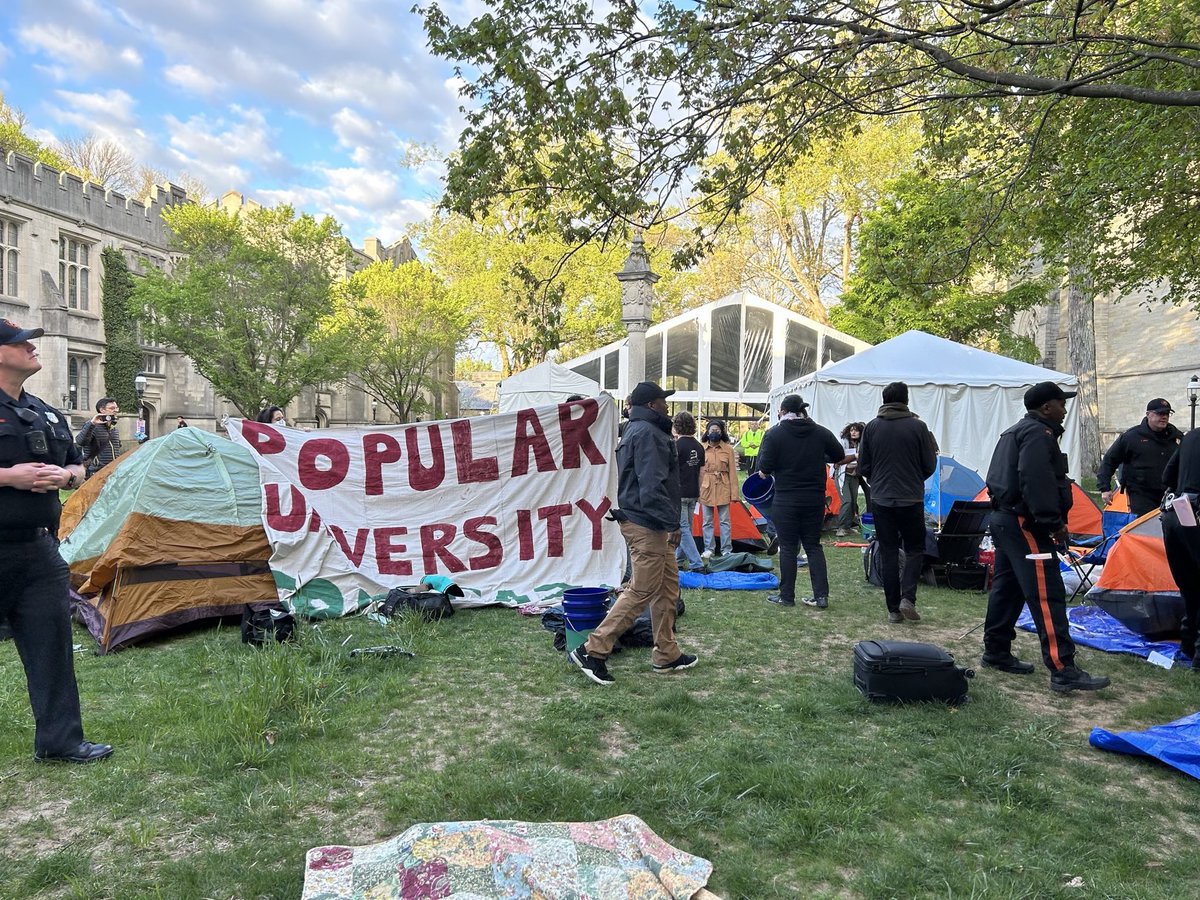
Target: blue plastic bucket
{"points": [[868, 526], [583, 611], [759, 489]]}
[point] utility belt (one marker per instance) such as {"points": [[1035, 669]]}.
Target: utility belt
{"points": [[21, 535], [1169, 498]]}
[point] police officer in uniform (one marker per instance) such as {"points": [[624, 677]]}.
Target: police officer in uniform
{"points": [[1182, 540], [1141, 453], [37, 458], [1031, 496]]}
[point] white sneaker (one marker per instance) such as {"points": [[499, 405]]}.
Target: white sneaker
{"points": [[706, 555]]}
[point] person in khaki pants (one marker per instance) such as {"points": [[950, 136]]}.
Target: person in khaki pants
{"points": [[648, 497]]}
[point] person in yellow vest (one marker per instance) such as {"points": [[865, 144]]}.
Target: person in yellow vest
{"points": [[750, 442]]}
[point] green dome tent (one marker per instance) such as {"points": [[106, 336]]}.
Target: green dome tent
{"points": [[165, 535]]}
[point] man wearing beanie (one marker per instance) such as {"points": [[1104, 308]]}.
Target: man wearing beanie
{"points": [[1141, 455], [1031, 497], [648, 501]]}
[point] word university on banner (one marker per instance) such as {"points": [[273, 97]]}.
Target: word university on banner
{"points": [[512, 508]]}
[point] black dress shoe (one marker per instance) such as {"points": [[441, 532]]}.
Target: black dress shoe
{"points": [[86, 752], [1009, 664]]}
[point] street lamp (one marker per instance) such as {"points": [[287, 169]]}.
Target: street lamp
{"points": [[374, 408], [1193, 390], [71, 405], [139, 384]]}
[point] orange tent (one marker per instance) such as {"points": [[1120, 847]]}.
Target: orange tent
{"points": [[1135, 586], [747, 537], [1084, 519]]}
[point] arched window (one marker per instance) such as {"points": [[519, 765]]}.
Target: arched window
{"points": [[85, 384]]}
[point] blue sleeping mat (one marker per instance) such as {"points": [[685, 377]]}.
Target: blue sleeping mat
{"points": [[730, 581]]}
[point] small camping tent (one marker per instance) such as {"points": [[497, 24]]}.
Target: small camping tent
{"points": [[965, 395], [1135, 586], [167, 535], [1084, 518], [950, 481], [541, 385]]}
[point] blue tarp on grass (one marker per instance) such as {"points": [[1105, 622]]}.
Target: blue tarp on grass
{"points": [[1176, 743], [730, 581], [1093, 627]]}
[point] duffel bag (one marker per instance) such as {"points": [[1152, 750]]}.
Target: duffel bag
{"points": [[903, 671]]}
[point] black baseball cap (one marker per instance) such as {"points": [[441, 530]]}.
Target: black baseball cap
{"points": [[646, 392], [12, 333], [1159, 405], [1044, 391]]}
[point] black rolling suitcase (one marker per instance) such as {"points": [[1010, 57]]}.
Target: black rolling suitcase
{"points": [[904, 671]]}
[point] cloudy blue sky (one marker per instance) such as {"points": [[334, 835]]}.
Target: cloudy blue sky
{"points": [[312, 102]]}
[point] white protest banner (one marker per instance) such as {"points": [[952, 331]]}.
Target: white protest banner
{"points": [[511, 507]]}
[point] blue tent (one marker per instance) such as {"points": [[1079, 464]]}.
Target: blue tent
{"points": [[950, 481]]}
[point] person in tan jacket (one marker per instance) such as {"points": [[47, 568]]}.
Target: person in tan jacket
{"points": [[718, 487]]}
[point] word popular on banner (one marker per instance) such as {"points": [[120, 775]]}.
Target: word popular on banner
{"points": [[511, 507]]}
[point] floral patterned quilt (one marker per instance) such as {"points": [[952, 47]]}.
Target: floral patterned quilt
{"points": [[616, 858]]}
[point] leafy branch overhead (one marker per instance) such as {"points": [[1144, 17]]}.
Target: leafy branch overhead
{"points": [[597, 117]]}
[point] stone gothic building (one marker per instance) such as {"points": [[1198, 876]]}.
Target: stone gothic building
{"points": [[53, 227]]}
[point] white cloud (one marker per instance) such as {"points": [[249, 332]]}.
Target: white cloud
{"points": [[76, 52], [113, 106], [221, 152], [5, 53], [191, 79]]}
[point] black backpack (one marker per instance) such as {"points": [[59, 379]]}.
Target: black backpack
{"points": [[429, 605], [263, 623]]}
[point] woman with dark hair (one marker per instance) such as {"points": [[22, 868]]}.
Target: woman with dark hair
{"points": [[795, 452], [718, 487], [849, 482], [272, 415]]}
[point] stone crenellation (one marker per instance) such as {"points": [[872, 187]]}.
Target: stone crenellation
{"points": [[27, 182]]}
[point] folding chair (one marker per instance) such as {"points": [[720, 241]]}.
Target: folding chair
{"points": [[957, 562]]}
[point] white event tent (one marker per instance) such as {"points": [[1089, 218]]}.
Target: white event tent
{"points": [[966, 396], [542, 384]]}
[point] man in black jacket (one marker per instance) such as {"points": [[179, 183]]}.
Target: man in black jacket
{"points": [[796, 452], [895, 456], [98, 439], [1181, 536], [648, 497], [1031, 497], [1141, 453]]}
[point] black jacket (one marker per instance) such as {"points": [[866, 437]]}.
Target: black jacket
{"points": [[795, 451], [895, 456], [691, 460], [648, 471], [1028, 474], [100, 445], [1182, 474], [1142, 454], [25, 509]]}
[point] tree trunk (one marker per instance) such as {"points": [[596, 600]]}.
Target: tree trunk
{"points": [[1081, 359]]}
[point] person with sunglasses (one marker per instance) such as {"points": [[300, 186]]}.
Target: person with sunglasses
{"points": [[38, 458]]}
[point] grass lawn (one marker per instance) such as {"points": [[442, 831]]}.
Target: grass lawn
{"points": [[231, 763]]}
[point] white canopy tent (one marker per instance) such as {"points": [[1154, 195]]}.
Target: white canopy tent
{"points": [[545, 383], [965, 395]]}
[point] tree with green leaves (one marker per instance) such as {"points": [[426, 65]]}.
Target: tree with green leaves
{"points": [[253, 301], [13, 138], [620, 110], [529, 292], [122, 352], [923, 265], [418, 328]]}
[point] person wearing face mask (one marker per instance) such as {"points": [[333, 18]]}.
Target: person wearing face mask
{"points": [[272, 415], [718, 487]]}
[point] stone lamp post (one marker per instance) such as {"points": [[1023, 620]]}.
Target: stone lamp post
{"points": [[637, 301]]}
